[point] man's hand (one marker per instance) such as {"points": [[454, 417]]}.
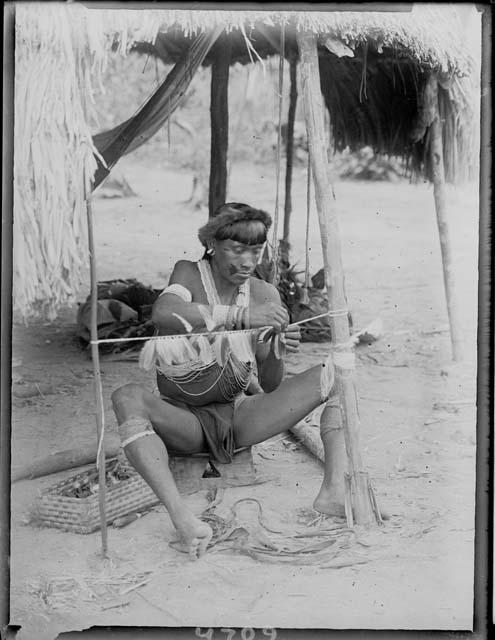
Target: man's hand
{"points": [[270, 314], [292, 338]]}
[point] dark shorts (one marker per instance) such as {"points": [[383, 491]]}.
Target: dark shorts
{"points": [[217, 423]]}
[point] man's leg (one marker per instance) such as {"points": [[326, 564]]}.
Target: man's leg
{"points": [[262, 416], [148, 425], [330, 498]]}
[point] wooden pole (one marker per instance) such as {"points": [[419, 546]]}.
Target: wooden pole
{"points": [[95, 354], [291, 118], [438, 177], [275, 244], [237, 127], [219, 118], [334, 276]]}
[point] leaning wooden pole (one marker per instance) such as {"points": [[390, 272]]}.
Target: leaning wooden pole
{"points": [[291, 118], [95, 355], [362, 498], [438, 176], [219, 118]]}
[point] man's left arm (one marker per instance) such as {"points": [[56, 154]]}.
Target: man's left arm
{"points": [[271, 367]]}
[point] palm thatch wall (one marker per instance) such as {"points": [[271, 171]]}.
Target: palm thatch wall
{"points": [[377, 99], [373, 68]]}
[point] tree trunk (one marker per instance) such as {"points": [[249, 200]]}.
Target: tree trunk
{"points": [[60, 461], [438, 177], [219, 116], [290, 150], [334, 277], [138, 129]]}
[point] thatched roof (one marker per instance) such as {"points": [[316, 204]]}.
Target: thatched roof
{"points": [[373, 77], [430, 35], [61, 50]]}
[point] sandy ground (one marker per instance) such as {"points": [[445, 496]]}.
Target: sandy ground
{"points": [[418, 420]]}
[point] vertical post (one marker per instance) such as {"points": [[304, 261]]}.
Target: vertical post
{"points": [[275, 242], [291, 117], [95, 355], [438, 176], [6, 315], [334, 277], [219, 118]]}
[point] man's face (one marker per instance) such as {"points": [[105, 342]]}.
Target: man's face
{"points": [[236, 261]]}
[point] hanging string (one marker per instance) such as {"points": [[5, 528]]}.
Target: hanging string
{"points": [[362, 85], [146, 63], [279, 155], [305, 296], [168, 127]]}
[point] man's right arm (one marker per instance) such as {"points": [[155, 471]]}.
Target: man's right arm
{"points": [[169, 306], [172, 314]]}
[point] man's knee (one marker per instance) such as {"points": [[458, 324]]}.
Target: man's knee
{"points": [[128, 395]]}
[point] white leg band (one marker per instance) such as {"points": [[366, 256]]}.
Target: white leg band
{"points": [[134, 428], [327, 378], [331, 418], [345, 361], [135, 437], [333, 401]]}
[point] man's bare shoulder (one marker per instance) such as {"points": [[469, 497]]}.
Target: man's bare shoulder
{"points": [[186, 266], [184, 272], [263, 291]]}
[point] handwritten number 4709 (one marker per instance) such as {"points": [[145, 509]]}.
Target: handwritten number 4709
{"points": [[246, 633]]}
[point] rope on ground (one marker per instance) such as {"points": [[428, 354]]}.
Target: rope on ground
{"points": [[232, 534]]}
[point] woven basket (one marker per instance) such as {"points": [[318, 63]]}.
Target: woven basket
{"points": [[81, 515]]}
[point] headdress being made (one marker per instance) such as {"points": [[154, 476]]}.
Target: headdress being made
{"points": [[230, 213]]}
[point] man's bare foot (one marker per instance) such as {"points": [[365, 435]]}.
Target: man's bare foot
{"points": [[329, 503], [194, 535]]}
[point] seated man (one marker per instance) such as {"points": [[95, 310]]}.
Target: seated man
{"points": [[221, 390]]}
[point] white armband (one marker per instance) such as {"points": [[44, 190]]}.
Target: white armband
{"points": [[178, 290]]}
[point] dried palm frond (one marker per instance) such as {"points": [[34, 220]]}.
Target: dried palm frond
{"points": [[60, 54], [65, 592], [55, 61]]}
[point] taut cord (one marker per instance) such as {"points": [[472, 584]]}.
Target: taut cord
{"points": [[332, 314]]}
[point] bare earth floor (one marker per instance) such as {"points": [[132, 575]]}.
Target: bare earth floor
{"points": [[418, 419]]}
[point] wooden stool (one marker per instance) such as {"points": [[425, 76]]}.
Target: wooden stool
{"points": [[197, 471]]}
